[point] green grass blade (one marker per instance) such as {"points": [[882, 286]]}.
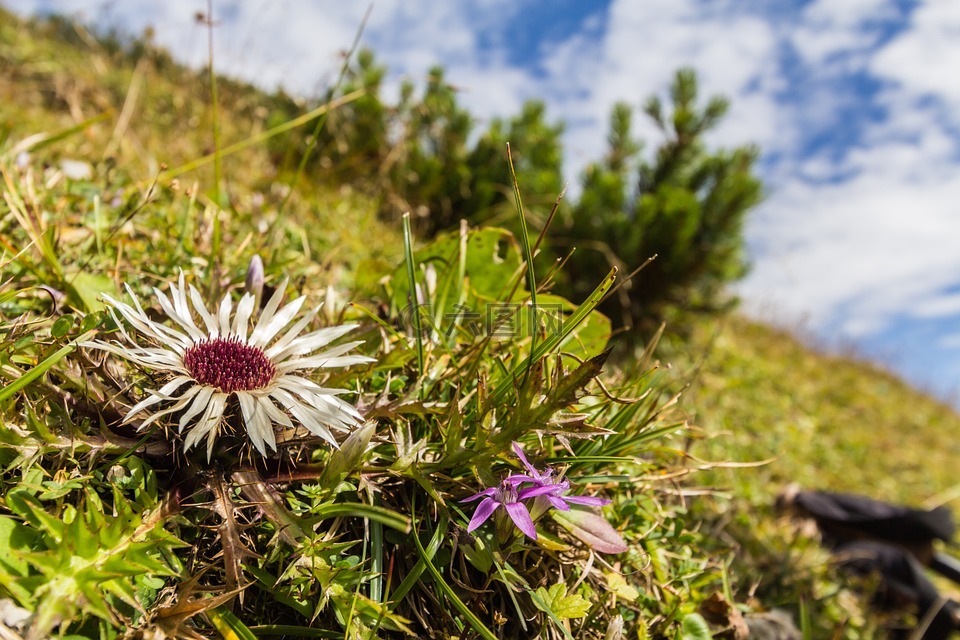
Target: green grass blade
{"points": [[260, 137], [528, 256], [41, 140], [505, 386], [412, 298], [270, 630], [411, 578], [806, 624], [44, 366], [376, 560], [229, 625], [386, 517], [472, 619]]}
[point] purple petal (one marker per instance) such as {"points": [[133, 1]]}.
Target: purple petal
{"points": [[523, 458], [540, 490], [558, 502], [521, 518], [518, 478], [485, 493], [588, 501], [484, 510]]}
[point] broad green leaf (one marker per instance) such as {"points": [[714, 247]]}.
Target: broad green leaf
{"points": [[62, 326], [587, 340], [478, 555], [14, 539], [557, 601], [84, 289], [348, 456], [618, 585], [695, 628], [489, 260]]}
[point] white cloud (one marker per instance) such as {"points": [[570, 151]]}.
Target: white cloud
{"points": [[923, 60], [834, 30], [645, 43], [852, 254], [860, 251], [946, 305]]}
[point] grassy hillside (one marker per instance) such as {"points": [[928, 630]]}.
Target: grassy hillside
{"points": [[783, 413], [754, 393], [125, 109], [824, 421]]}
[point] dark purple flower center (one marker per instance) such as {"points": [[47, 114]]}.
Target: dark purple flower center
{"points": [[229, 364], [507, 493]]}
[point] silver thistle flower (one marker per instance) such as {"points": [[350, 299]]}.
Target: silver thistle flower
{"points": [[219, 357]]}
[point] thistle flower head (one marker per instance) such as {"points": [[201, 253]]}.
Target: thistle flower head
{"points": [[221, 355]]}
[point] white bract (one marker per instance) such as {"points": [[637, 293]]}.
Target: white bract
{"points": [[221, 355]]}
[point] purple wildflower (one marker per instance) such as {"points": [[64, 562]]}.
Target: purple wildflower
{"points": [[557, 497], [510, 497], [547, 489]]}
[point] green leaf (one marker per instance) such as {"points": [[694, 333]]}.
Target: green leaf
{"points": [[552, 341], [29, 508], [348, 456], [14, 538], [62, 326], [478, 555], [84, 289], [695, 628], [85, 560], [40, 140], [618, 585], [411, 301], [487, 261], [431, 550], [587, 340], [557, 601], [229, 625], [42, 368], [467, 613], [384, 516]]}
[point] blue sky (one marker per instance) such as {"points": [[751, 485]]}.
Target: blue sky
{"points": [[855, 104]]}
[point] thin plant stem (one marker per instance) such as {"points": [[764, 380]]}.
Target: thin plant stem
{"points": [[412, 297], [528, 256], [217, 160]]}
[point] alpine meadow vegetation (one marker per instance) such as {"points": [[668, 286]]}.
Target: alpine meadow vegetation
{"points": [[143, 314], [304, 510], [273, 367]]}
